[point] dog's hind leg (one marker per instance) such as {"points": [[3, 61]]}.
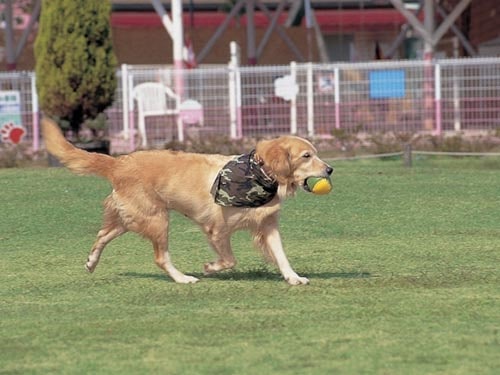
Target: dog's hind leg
{"points": [[112, 227], [157, 231], [104, 236], [221, 243]]}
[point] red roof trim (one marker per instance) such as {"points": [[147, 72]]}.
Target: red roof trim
{"points": [[327, 19]]}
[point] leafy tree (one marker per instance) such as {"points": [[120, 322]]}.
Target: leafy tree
{"points": [[75, 63]]}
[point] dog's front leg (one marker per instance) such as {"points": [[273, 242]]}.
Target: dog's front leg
{"points": [[272, 240]]}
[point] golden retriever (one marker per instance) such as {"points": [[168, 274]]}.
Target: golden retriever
{"points": [[147, 185]]}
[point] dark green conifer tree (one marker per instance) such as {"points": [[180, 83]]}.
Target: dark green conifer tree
{"points": [[75, 62]]}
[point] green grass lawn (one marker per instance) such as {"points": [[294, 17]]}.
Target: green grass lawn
{"points": [[403, 263]]}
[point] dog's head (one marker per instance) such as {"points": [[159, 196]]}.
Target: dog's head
{"points": [[291, 161]]}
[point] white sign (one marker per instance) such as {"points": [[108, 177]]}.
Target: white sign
{"points": [[286, 88], [11, 129]]}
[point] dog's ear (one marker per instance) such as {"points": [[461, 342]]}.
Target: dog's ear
{"points": [[276, 158]]}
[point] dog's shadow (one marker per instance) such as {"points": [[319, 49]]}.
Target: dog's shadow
{"points": [[253, 275]]}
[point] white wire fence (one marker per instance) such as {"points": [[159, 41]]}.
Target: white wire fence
{"points": [[311, 100]]}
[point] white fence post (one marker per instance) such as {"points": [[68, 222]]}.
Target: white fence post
{"points": [[310, 101], [235, 93], [178, 101], [125, 94], [232, 100], [130, 113], [456, 91], [35, 114], [457, 122], [437, 98], [336, 96], [293, 101]]}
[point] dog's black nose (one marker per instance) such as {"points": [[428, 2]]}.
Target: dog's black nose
{"points": [[329, 170]]}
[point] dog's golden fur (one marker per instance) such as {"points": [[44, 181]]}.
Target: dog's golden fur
{"points": [[147, 185]]}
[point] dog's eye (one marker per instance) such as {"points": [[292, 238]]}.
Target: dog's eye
{"points": [[307, 155]]}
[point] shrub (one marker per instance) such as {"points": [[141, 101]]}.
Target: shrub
{"points": [[75, 63]]}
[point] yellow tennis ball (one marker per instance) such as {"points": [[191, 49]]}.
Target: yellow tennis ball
{"points": [[319, 185]]}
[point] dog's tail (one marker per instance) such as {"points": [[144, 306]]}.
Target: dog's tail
{"points": [[77, 160]]}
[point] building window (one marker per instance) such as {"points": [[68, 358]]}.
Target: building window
{"points": [[340, 47]]}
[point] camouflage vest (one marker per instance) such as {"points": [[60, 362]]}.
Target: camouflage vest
{"points": [[243, 183]]}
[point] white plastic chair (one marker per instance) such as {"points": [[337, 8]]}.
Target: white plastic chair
{"points": [[153, 99]]}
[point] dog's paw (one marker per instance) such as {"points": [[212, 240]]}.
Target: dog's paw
{"points": [[209, 268], [185, 279], [213, 267], [297, 280], [88, 268]]}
